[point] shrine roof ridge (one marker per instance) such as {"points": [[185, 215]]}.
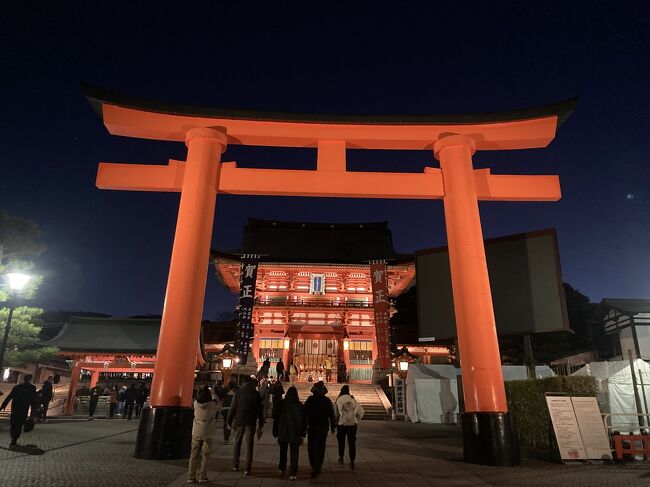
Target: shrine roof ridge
{"points": [[98, 96]]}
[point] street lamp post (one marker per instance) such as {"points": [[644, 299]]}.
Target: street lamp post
{"points": [[17, 282]]}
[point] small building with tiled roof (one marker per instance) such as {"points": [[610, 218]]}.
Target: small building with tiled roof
{"points": [[627, 325]]}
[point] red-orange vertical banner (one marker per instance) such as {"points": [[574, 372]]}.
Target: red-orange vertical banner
{"points": [[379, 280]]}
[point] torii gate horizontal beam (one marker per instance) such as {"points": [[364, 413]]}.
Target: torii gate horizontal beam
{"points": [[148, 119], [338, 184]]}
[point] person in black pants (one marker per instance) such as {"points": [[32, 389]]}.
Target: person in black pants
{"points": [[320, 418], [140, 399], [23, 398], [46, 397], [289, 427], [94, 399], [226, 401], [348, 412], [245, 411], [130, 396]]}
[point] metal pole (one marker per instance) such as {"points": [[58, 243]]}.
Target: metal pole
{"points": [[637, 398], [529, 358], [392, 381], [6, 338], [645, 399]]}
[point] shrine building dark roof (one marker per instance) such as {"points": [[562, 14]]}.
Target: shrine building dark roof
{"points": [[120, 335], [83, 334], [281, 241]]}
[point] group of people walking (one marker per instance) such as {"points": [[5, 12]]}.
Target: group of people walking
{"points": [[243, 411]]}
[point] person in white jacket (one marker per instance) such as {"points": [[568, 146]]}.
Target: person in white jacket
{"points": [[204, 429], [348, 412]]}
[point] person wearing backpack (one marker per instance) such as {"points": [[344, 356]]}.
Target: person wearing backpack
{"points": [[348, 412]]}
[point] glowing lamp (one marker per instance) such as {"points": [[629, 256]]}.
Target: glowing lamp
{"points": [[17, 280], [403, 366], [227, 363], [346, 344], [287, 343]]}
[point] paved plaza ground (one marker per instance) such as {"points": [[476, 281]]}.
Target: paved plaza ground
{"points": [[100, 453]]}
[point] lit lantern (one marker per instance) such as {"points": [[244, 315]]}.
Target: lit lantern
{"points": [[346, 345], [403, 366], [287, 343], [227, 363]]}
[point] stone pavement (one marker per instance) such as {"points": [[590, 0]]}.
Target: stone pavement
{"points": [[100, 453]]}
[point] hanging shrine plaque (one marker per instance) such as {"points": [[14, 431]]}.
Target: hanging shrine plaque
{"points": [[247, 280], [382, 312]]}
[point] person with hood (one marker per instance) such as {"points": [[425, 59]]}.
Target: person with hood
{"points": [[204, 429], [23, 397], [348, 412], [320, 418], [290, 428], [140, 398], [245, 411]]}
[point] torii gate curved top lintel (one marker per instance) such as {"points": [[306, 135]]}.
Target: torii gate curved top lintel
{"points": [[453, 139], [146, 119]]}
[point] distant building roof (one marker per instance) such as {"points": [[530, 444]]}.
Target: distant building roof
{"points": [[281, 241], [121, 335], [632, 306], [127, 335]]}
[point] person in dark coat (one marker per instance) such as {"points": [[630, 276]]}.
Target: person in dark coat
{"points": [[94, 399], [279, 370], [226, 401], [290, 428], [140, 399], [46, 397], [320, 418], [277, 391], [23, 398], [130, 396], [245, 410]]}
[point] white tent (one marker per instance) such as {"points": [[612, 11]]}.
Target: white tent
{"points": [[520, 372], [616, 391], [431, 393]]}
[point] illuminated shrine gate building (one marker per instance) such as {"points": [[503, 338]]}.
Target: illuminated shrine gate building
{"points": [[314, 299]]}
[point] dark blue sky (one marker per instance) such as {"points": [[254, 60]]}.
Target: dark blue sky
{"points": [[109, 251]]}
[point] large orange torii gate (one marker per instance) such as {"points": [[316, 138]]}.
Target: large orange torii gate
{"points": [[489, 435]]}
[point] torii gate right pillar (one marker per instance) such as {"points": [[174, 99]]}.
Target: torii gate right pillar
{"points": [[489, 434]]}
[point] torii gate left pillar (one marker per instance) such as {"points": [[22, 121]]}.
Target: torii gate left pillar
{"points": [[173, 378]]}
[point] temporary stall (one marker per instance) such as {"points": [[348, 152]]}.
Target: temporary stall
{"points": [[616, 390], [432, 393], [520, 372]]}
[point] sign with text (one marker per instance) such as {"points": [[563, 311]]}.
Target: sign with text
{"points": [[400, 396], [566, 429], [592, 429], [378, 278], [247, 281], [579, 428]]}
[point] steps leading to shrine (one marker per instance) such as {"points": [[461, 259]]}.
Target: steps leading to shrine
{"points": [[370, 396]]}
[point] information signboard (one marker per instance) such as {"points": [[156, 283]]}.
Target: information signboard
{"points": [[579, 428], [565, 425], [592, 429]]}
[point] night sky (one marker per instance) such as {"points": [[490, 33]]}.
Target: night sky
{"points": [[108, 251]]}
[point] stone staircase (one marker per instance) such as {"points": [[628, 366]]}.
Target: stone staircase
{"points": [[370, 396]]}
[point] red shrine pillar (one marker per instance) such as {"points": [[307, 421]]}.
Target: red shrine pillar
{"points": [[74, 382], [169, 433], [488, 430], [94, 378]]}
